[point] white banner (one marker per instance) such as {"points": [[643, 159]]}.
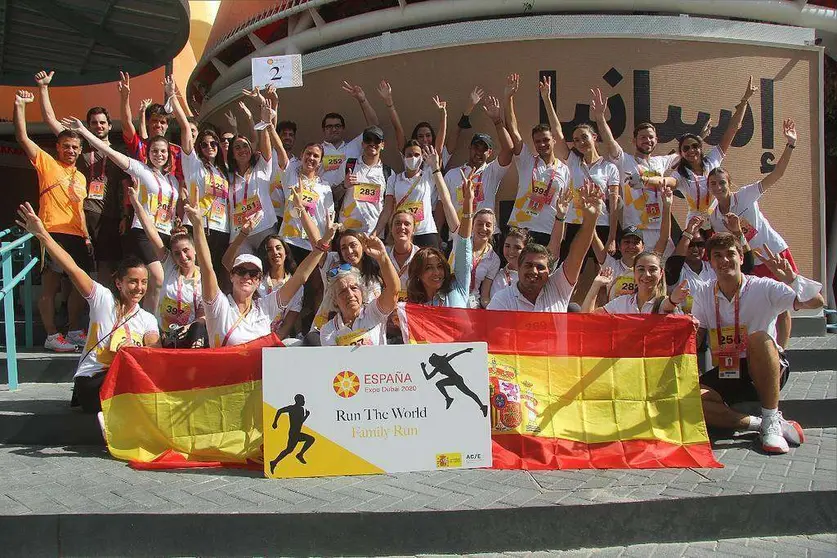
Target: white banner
{"points": [[279, 71], [375, 409]]}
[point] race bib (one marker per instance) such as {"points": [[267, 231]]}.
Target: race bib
{"points": [[370, 193], [624, 285], [333, 162], [309, 200], [416, 208], [540, 195], [653, 212], [218, 212], [244, 211], [162, 219], [727, 342], [355, 338], [96, 190], [171, 313], [119, 338], [749, 231]]}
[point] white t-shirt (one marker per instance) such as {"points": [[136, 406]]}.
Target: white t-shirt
{"points": [[761, 300], [642, 207], [485, 267], [416, 194], [277, 194], [317, 199], [180, 297], [368, 328], [602, 172], [554, 297], [268, 287], [250, 195], [371, 289], [504, 278], [694, 186], [537, 188], [102, 340], [211, 188], [223, 318], [754, 224], [627, 304], [623, 282], [333, 168], [403, 270], [486, 184], [364, 201], [158, 195]]}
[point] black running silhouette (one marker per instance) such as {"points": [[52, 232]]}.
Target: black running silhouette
{"points": [[441, 365], [297, 414]]}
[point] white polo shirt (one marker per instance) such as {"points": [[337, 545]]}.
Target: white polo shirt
{"points": [[755, 226], [223, 318], [158, 194], [485, 267], [504, 278], [367, 329], [317, 199], [333, 168], [602, 173], [364, 201], [417, 195], [486, 184], [538, 185], [761, 300], [554, 297], [694, 187], [642, 207], [250, 195]]}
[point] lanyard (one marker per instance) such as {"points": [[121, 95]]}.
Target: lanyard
{"points": [[508, 275], [235, 325], [737, 306], [269, 281], [213, 185], [697, 190], [246, 178], [70, 187], [475, 263], [406, 263], [180, 292], [160, 192], [410, 190], [551, 177], [125, 323]]}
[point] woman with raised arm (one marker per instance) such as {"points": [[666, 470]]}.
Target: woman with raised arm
{"points": [[205, 173], [158, 194], [431, 281], [116, 318], [650, 297], [236, 318], [755, 227], [694, 166], [180, 311], [251, 174]]}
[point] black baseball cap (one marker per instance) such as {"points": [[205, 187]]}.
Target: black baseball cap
{"points": [[484, 138], [373, 132], [632, 231]]}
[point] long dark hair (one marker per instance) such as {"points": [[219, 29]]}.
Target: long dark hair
{"points": [[218, 161], [369, 268], [415, 289], [169, 162], [682, 165], [290, 262], [126, 263], [420, 125], [232, 165]]}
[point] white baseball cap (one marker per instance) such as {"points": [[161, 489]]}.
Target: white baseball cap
{"points": [[242, 259]]}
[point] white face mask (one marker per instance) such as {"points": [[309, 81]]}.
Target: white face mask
{"points": [[412, 163]]}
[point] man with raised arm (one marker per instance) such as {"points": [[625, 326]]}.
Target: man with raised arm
{"points": [[538, 290], [540, 174], [738, 314], [105, 209], [61, 192]]}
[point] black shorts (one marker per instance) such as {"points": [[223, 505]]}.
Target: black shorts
{"points": [[75, 247], [431, 240], [741, 389], [104, 233], [571, 230], [138, 244], [86, 392]]}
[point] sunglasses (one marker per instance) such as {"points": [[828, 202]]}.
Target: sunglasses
{"points": [[226, 139], [211, 144], [697, 244], [247, 272], [691, 146], [335, 271]]}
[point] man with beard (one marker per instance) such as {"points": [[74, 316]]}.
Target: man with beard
{"points": [[61, 192], [105, 205]]}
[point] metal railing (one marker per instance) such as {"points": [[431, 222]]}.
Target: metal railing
{"points": [[7, 251]]}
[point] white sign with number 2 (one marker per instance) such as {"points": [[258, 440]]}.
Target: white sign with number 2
{"points": [[279, 71]]}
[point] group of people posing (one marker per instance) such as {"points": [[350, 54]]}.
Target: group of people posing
{"points": [[229, 235]]}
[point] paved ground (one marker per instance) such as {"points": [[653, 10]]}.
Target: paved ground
{"points": [[84, 479]]}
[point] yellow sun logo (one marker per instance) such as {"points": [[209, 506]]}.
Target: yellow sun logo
{"points": [[270, 61], [346, 384]]}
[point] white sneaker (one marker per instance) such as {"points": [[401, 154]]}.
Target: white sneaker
{"points": [[792, 431], [77, 337], [58, 343], [772, 438]]}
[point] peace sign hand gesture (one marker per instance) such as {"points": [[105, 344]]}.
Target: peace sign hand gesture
{"points": [[467, 190], [545, 87], [750, 91], [680, 293], [779, 266]]}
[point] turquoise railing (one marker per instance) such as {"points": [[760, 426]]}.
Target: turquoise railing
{"points": [[7, 295]]}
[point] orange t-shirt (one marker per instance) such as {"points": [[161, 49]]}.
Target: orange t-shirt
{"points": [[61, 193]]}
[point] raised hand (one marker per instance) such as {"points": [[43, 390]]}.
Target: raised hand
{"points": [[296, 197], [192, 213], [249, 224], [30, 221], [374, 247], [144, 104], [23, 97], [124, 85], [267, 113], [667, 194], [333, 229], [707, 129], [355, 91], [598, 104], [694, 224], [242, 106], [491, 106], [779, 266], [750, 91], [252, 93], [72, 123], [680, 293], [271, 95], [545, 87], [789, 129], [733, 223], [430, 156], [512, 85], [385, 92], [43, 78], [440, 104], [467, 189], [168, 86], [476, 96], [231, 119], [591, 201], [562, 203], [604, 277]]}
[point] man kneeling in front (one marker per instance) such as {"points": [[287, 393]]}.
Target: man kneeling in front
{"points": [[738, 312]]}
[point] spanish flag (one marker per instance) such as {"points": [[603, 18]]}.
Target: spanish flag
{"points": [[578, 391], [166, 408]]}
